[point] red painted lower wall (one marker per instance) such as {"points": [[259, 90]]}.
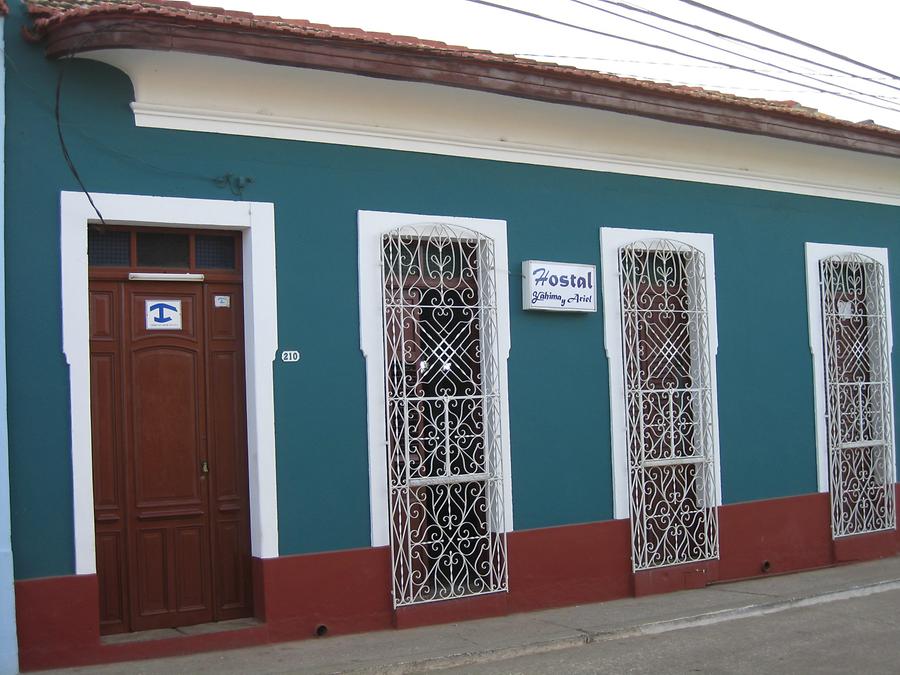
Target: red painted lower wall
{"points": [[790, 534], [570, 565], [349, 591]]}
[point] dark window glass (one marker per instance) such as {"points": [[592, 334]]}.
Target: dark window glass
{"points": [[109, 248], [159, 249], [214, 252]]}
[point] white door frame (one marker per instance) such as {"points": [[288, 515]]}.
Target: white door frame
{"points": [[256, 221]]}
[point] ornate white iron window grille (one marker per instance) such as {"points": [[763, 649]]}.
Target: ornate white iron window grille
{"points": [[668, 403], [858, 394], [442, 388]]}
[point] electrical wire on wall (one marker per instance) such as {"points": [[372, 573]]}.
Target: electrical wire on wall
{"points": [[62, 140]]}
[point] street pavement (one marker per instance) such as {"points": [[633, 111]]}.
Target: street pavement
{"points": [[841, 619], [858, 635]]}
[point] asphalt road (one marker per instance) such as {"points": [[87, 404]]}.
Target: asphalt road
{"points": [[860, 635]]}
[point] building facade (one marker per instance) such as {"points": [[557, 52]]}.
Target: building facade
{"points": [[268, 362]]}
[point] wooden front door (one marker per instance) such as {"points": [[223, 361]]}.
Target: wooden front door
{"points": [[170, 453]]}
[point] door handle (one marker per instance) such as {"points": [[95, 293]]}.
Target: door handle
{"points": [[204, 467]]}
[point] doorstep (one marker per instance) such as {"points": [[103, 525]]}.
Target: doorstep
{"points": [[183, 631]]}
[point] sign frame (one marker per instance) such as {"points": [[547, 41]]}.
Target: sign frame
{"points": [[559, 286]]}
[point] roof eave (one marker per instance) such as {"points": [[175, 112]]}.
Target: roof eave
{"points": [[99, 31]]}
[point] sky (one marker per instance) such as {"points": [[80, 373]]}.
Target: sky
{"points": [[864, 30]]}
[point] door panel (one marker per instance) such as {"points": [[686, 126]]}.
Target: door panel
{"points": [[190, 577], [171, 499], [167, 442], [110, 564], [108, 458], [166, 383], [152, 558], [230, 512]]}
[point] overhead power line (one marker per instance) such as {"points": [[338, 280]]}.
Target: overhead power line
{"points": [[771, 31], [673, 64], [726, 36], [566, 24], [722, 49]]}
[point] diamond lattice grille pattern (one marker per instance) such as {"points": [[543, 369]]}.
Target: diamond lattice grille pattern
{"points": [[443, 414], [858, 395], [668, 404]]}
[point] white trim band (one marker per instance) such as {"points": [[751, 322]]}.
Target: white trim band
{"points": [[194, 92], [406, 140]]}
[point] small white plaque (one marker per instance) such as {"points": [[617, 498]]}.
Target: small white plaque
{"points": [[163, 314], [559, 287], [290, 356], [222, 301]]}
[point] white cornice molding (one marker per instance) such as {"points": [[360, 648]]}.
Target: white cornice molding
{"points": [[319, 131], [192, 92]]}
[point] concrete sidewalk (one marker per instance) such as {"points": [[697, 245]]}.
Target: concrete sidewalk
{"points": [[487, 640]]}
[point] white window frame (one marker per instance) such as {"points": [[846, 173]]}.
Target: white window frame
{"points": [[611, 240], [815, 253], [256, 222], [372, 225]]}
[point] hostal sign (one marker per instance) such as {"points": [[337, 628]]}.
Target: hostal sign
{"points": [[561, 287]]}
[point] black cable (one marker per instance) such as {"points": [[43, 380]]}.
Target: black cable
{"points": [[644, 62], [727, 51], [725, 36], [62, 141], [41, 103], [593, 31], [798, 41]]}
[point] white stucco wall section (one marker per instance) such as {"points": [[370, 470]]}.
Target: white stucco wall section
{"points": [[611, 240], [9, 651], [256, 220], [198, 93], [814, 254], [372, 225]]}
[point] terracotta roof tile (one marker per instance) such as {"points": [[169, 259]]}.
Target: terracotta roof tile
{"points": [[48, 13]]}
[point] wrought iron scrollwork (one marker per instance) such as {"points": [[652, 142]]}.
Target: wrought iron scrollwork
{"points": [[443, 414], [668, 403], [858, 394]]}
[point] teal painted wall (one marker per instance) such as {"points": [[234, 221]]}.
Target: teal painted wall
{"points": [[559, 405]]}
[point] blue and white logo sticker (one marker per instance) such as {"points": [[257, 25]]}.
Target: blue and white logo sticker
{"points": [[163, 314]]}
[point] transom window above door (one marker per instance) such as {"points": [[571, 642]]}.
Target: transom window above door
{"points": [[163, 250]]}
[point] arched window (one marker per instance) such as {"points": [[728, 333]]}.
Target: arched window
{"points": [[443, 400], [858, 407], [660, 334]]}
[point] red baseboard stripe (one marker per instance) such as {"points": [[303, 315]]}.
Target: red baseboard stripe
{"points": [[349, 591]]}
